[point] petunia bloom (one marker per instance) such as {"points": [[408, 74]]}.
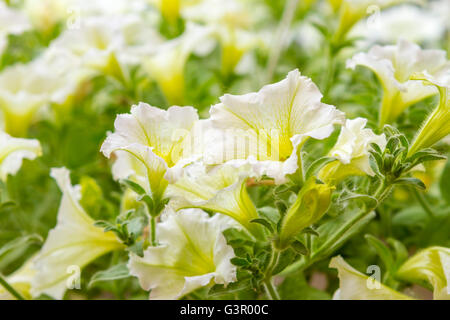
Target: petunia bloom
{"points": [[192, 253], [431, 265], [354, 285], [268, 128], [352, 151], [155, 137], [394, 65], [73, 243], [219, 189], [13, 151], [436, 126]]}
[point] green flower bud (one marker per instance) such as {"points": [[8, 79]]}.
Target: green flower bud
{"points": [[312, 202]]}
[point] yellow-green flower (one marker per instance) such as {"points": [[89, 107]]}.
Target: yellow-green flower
{"points": [[351, 11], [355, 285], [430, 265], [220, 189], [192, 253], [312, 202], [167, 61], [394, 66], [437, 125], [156, 138], [13, 151], [351, 151], [268, 128], [71, 245]]}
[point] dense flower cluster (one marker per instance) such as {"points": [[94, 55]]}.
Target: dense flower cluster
{"points": [[265, 182]]}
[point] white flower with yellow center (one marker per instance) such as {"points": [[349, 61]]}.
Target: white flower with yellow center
{"points": [[155, 137], [219, 189], [394, 65], [71, 245], [268, 128], [192, 253], [431, 265], [351, 11], [166, 63], [354, 285], [13, 151], [233, 24], [352, 151]]}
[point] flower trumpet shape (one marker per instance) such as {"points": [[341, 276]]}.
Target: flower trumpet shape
{"points": [[351, 11], [394, 65], [352, 152], [431, 265], [155, 137], [221, 189], [71, 245], [312, 202], [166, 64], [13, 150], [437, 126], [192, 253], [355, 285], [268, 128]]}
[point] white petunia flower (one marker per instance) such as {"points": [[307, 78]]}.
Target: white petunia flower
{"points": [[192, 253], [407, 22], [11, 22], [352, 11], [155, 137], [219, 189], [352, 151], [166, 63], [269, 128], [431, 265], [13, 151], [394, 65], [233, 24], [436, 126], [71, 245], [353, 285]]}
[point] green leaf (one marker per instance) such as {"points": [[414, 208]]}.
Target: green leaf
{"points": [[270, 214], [220, 289], [295, 287], [317, 165], [300, 248], [239, 262], [21, 242], [382, 250], [116, 272], [414, 182], [264, 223], [133, 186]]}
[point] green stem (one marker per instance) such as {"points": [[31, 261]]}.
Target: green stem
{"points": [[381, 193], [10, 289], [423, 202], [268, 285], [270, 290], [153, 231]]}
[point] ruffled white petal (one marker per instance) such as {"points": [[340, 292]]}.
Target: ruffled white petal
{"points": [[192, 253], [13, 151], [353, 285], [270, 126], [75, 241]]}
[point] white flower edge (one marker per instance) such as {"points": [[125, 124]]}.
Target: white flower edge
{"points": [[291, 108], [192, 254], [13, 151], [74, 242]]}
